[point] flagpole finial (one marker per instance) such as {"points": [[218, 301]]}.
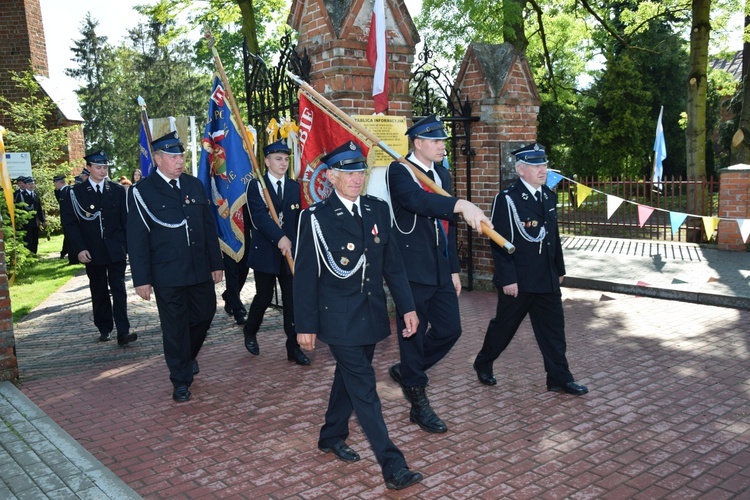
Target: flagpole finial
{"points": [[209, 36], [141, 102]]}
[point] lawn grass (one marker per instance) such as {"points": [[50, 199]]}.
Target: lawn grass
{"points": [[41, 279]]}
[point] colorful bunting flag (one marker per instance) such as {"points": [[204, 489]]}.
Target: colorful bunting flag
{"points": [[553, 178], [675, 220], [225, 170], [744, 228], [644, 212], [613, 203], [709, 224], [582, 192]]}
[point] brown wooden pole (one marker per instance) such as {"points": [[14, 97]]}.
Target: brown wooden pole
{"points": [[334, 112]]}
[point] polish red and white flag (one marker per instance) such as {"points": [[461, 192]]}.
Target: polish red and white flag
{"points": [[377, 56]]}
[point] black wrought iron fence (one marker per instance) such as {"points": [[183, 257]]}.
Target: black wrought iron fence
{"points": [[590, 216]]}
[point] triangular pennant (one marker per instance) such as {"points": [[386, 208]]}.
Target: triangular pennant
{"points": [[744, 228], [613, 203], [582, 192], [709, 224], [676, 219], [553, 178], [644, 213]]}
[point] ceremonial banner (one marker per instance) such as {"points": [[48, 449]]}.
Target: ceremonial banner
{"points": [[377, 56], [318, 135], [5, 182], [660, 151], [147, 164], [225, 169]]}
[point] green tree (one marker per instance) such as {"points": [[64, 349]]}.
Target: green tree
{"points": [[28, 132]]}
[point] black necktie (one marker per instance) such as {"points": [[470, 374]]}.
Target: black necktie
{"points": [[538, 196], [173, 182], [355, 214], [98, 189], [431, 175], [279, 193]]}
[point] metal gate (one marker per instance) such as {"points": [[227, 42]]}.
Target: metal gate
{"points": [[434, 93], [269, 92]]}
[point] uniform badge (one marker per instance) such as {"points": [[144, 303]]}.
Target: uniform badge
{"points": [[312, 209], [91, 207], [344, 261], [524, 196], [534, 223], [376, 239], [187, 201], [350, 246]]}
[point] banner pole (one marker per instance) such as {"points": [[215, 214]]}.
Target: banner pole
{"points": [[243, 133], [336, 113]]}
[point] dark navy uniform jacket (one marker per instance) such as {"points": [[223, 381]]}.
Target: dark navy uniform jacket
{"points": [[171, 256], [421, 241], [33, 202], [535, 266], [86, 234], [263, 254], [349, 311]]}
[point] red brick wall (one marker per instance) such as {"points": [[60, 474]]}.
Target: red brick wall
{"points": [[22, 39], [339, 68], [507, 120], [734, 203]]}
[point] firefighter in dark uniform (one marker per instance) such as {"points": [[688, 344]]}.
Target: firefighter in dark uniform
{"points": [[94, 221], [345, 249], [426, 234], [270, 245], [174, 248], [27, 194], [528, 281], [61, 193]]}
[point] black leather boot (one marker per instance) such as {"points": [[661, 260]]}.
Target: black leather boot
{"points": [[421, 412]]}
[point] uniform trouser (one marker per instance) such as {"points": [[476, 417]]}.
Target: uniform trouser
{"points": [[265, 284], [354, 390], [185, 314], [32, 238], [548, 322], [235, 275], [438, 306], [104, 279]]}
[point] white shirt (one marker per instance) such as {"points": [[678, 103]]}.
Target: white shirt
{"points": [[94, 184], [349, 204], [167, 179], [427, 168]]}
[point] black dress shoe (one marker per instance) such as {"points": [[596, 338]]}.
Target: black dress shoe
{"points": [[126, 339], [342, 451], [395, 373], [103, 336], [239, 317], [484, 377], [251, 344], [298, 357], [181, 394], [196, 368], [403, 478], [570, 388]]}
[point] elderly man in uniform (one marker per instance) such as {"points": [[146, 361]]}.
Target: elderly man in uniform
{"points": [[94, 220], [528, 281], [345, 249], [426, 235], [174, 248], [269, 247]]}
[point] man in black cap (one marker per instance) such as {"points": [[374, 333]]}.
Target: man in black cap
{"points": [[174, 248], [426, 234], [94, 219], [61, 193], [27, 196], [528, 280], [344, 252], [271, 245]]}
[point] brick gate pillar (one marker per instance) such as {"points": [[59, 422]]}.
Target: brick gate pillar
{"points": [[734, 203], [335, 32], [8, 360], [499, 84]]}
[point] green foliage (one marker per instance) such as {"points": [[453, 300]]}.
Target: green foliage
{"points": [[28, 133]]}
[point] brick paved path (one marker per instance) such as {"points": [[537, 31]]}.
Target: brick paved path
{"points": [[667, 416]]}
